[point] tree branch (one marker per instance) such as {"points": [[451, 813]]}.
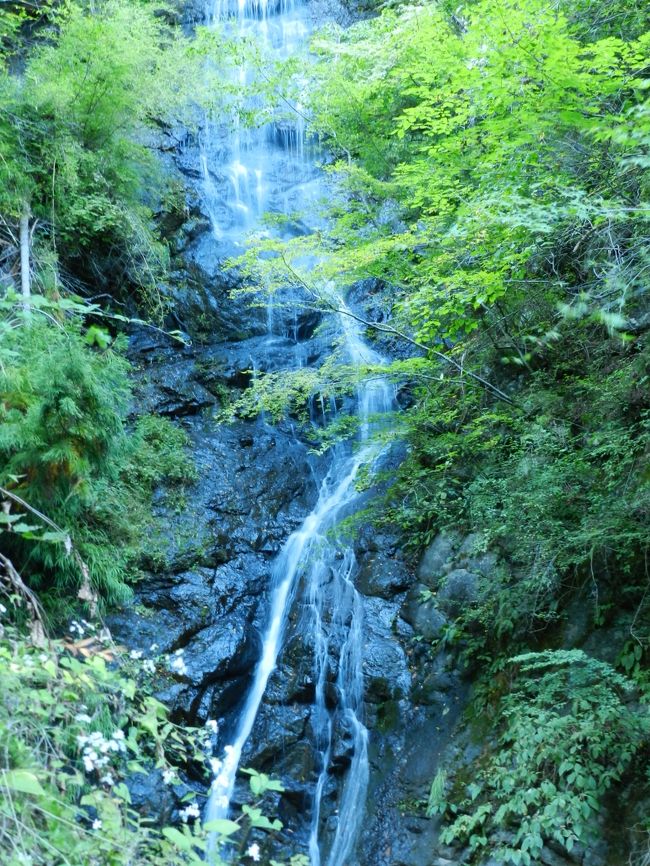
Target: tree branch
{"points": [[389, 329]]}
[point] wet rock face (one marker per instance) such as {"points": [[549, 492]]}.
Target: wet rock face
{"points": [[209, 570], [205, 595], [202, 603]]}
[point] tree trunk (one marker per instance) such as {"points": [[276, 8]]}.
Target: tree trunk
{"points": [[25, 277]]}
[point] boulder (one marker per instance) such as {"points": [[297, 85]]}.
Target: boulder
{"points": [[436, 559], [427, 620], [459, 589], [382, 575], [151, 797], [221, 651]]}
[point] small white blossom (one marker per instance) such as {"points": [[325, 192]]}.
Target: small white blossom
{"points": [[82, 717], [148, 666], [168, 776], [192, 811], [178, 665], [253, 851], [136, 654], [97, 824], [76, 628], [107, 780], [153, 647], [212, 725]]}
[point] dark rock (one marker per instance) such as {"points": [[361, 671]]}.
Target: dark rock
{"points": [[459, 590], [474, 557], [437, 558], [382, 575], [551, 858], [385, 667], [436, 682], [222, 651], [276, 731], [172, 390], [424, 615], [151, 797]]}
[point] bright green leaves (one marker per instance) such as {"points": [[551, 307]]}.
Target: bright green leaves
{"points": [[260, 783], [66, 452], [567, 735], [22, 781], [72, 129], [468, 136]]}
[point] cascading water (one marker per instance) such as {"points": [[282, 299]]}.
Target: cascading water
{"points": [[271, 169], [315, 556]]}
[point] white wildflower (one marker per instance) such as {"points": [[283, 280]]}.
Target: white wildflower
{"points": [[178, 665], [82, 717], [213, 725], [136, 654], [168, 776], [76, 628], [97, 824], [118, 741], [153, 647], [253, 851], [107, 780], [192, 811], [148, 666]]}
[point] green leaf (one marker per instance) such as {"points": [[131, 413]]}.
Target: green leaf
{"points": [[23, 781], [221, 826], [185, 843]]}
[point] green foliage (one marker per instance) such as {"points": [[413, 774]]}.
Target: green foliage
{"points": [[97, 78], [492, 177], [76, 722], [569, 731], [66, 451], [57, 805]]}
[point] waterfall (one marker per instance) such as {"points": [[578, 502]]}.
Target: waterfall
{"points": [[313, 554], [272, 169]]}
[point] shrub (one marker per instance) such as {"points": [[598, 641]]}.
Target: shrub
{"points": [[569, 730]]}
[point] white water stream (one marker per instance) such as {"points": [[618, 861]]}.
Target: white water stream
{"points": [[245, 173]]}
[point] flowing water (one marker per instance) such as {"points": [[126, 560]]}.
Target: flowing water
{"points": [[247, 172]]}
